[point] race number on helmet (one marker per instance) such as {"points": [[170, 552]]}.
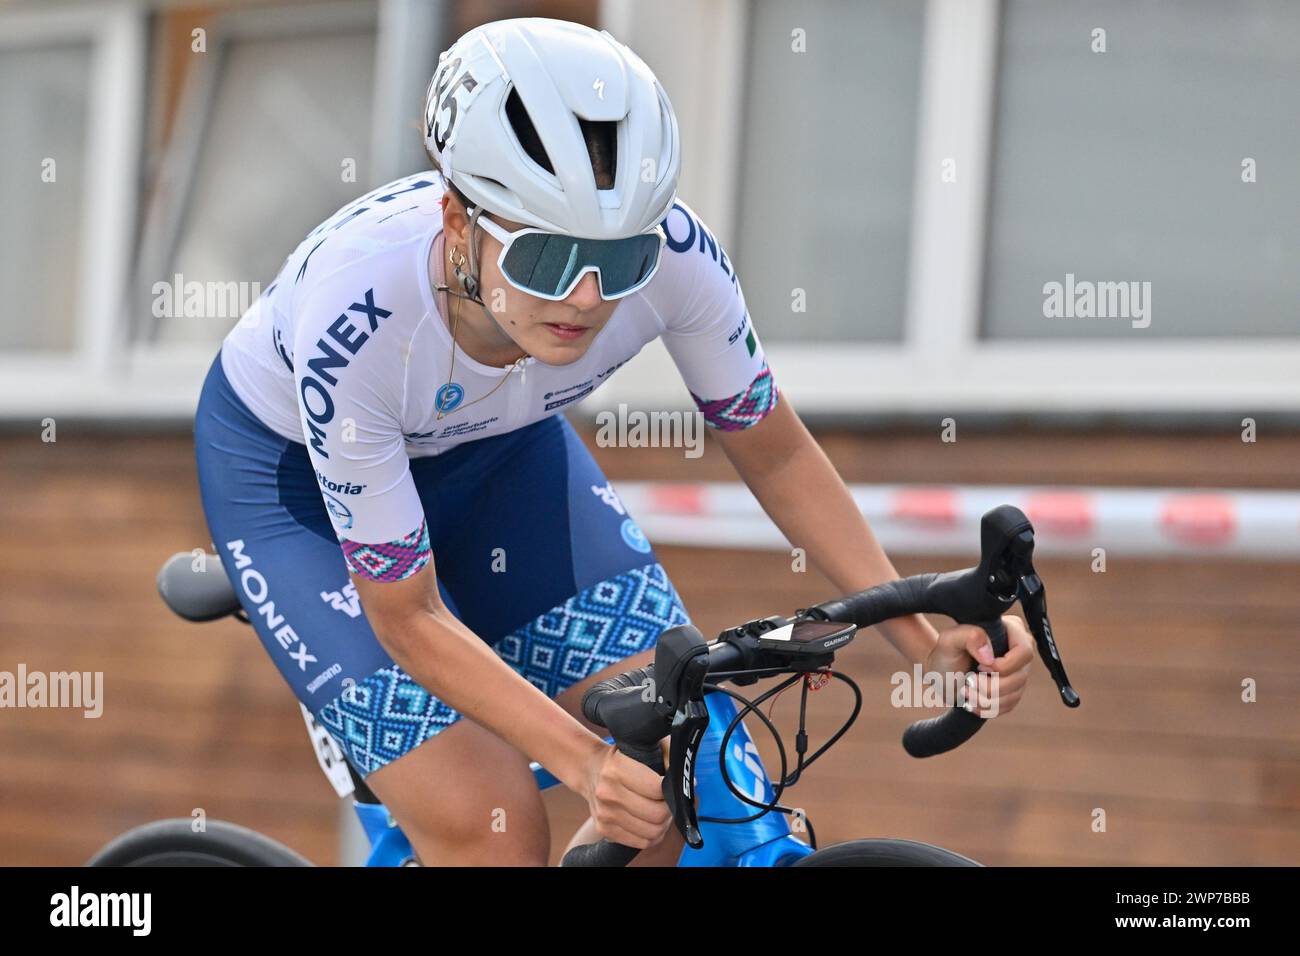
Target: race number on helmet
{"points": [[561, 73]]}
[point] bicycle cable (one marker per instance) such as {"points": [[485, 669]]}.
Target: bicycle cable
{"points": [[722, 751], [754, 706], [788, 781]]}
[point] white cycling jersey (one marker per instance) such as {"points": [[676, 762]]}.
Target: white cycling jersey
{"points": [[347, 352]]}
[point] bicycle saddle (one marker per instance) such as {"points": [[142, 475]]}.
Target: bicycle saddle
{"points": [[201, 593]]}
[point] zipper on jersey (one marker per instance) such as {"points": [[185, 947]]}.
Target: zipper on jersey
{"points": [[521, 393]]}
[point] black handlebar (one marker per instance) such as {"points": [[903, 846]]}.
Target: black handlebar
{"points": [[954, 594], [643, 706]]}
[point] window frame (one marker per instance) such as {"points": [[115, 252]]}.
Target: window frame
{"points": [[44, 383], [165, 219], [109, 374], [943, 366]]}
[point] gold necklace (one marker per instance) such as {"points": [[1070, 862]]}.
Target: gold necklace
{"points": [[451, 371]]}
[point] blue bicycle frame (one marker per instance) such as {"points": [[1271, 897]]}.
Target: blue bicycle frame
{"points": [[766, 841]]}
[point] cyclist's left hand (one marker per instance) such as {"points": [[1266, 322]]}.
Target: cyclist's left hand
{"points": [[963, 647]]}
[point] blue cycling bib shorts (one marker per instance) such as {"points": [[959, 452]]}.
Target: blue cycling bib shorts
{"points": [[534, 552]]}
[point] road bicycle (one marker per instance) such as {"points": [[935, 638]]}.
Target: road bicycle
{"points": [[723, 802]]}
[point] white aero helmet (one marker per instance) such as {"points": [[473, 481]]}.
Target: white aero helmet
{"points": [[561, 72]]}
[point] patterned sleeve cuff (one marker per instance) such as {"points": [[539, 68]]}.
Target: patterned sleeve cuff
{"points": [[745, 408], [393, 561]]}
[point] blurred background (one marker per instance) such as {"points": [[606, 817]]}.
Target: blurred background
{"points": [[898, 184]]}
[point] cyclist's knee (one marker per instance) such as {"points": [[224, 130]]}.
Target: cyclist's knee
{"points": [[481, 830], [464, 797], [514, 849]]}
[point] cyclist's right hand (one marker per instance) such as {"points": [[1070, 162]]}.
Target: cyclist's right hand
{"points": [[625, 799]]}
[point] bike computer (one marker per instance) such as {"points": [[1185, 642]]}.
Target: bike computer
{"points": [[808, 637]]}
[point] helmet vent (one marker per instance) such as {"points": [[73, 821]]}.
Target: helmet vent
{"points": [[601, 139]]}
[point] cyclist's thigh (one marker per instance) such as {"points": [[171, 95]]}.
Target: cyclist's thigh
{"points": [[547, 565], [269, 525], [466, 798]]}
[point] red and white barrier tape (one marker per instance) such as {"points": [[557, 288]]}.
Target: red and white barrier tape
{"points": [[923, 519]]}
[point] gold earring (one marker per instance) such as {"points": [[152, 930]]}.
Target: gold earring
{"points": [[458, 263]]}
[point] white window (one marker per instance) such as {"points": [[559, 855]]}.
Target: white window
{"points": [[1036, 159], [827, 161], [1128, 164], [275, 132], [43, 172]]}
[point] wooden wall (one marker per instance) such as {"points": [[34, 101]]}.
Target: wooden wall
{"points": [[196, 717]]}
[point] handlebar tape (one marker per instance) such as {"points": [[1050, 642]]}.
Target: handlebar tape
{"points": [[961, 595]]}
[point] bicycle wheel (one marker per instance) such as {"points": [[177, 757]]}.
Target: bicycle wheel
{"points": [[174, 843], [884, 853]]}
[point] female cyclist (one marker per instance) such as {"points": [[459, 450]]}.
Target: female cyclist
{"points": [[371, 423]]}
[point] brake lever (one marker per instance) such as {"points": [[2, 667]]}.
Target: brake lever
{"points": [[1033, 598], [689, 724], [1017, 565], [681, 667]]}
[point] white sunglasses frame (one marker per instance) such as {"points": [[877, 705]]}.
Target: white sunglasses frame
{"points": [[507, 238]]}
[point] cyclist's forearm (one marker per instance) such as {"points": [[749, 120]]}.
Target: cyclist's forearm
{"points": [[459, 668], [817, 512], [804, 495]]}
